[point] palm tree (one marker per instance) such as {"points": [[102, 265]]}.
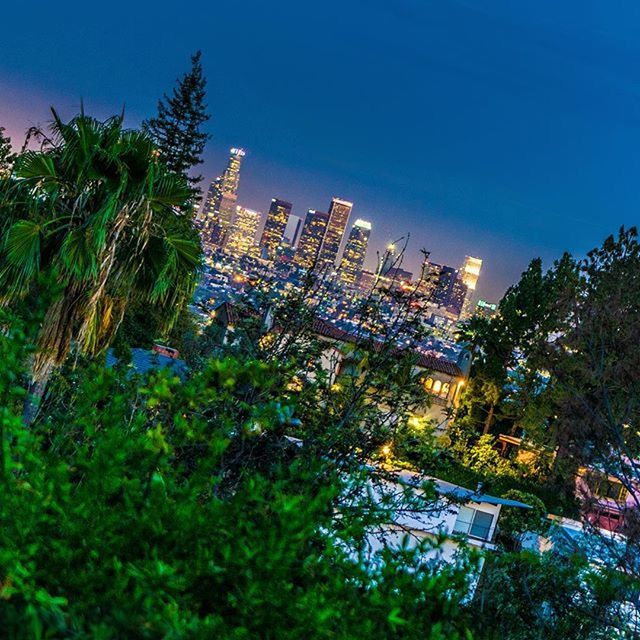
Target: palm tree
{"points": [[96, 216]]}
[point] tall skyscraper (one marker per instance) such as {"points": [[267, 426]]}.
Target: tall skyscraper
{"points": [[387, 259], [339, 213], [294, 227], [469, 274], [242, 232], [450, 291], [220, 204], [429, 278], [273, 231], [355, 252], [313, 231]]}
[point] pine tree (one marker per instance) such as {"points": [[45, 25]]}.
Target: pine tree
{"points": [[176, 129], [6, 154]]}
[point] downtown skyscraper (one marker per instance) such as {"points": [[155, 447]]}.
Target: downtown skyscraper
{"points": [[274, 227], [313, 232], [339, 212], [355, 252], [242, 232], [469, 274], [220, 204]]}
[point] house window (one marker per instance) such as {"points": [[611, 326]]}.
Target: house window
{"points": [[428, 384], [473, 522], [445, 390], [603, 487], [437, 385]]}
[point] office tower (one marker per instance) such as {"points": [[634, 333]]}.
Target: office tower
{"points": [[450, 291], [469, 274], [273, 231], [313, 230], [355, 252], [242, 232], [429, 277], [339, 213], [367, 281], [387, 260], [293, 229], [399, 275], [220, 204]]}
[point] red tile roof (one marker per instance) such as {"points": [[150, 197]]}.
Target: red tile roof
{"points": [[326, 329]]}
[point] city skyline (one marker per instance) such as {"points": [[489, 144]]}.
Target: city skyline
{"points": [[510, 137]]}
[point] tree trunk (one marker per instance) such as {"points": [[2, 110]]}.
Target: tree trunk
{"points": [[489, 420], [32, 402]]}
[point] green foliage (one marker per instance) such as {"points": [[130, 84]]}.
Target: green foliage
{"points": [[526, 596], [176, 130], [97, 217], [157, 508], [6, 154], [515, 521]]}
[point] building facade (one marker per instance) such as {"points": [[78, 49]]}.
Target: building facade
{"points": [[469, 274], [355, 252], [242, 232], [220, 204], [450, 291], [273, 232], [339, 212], [311, 237]]}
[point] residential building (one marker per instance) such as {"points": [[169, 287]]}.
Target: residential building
{"points": [[442, 379]]}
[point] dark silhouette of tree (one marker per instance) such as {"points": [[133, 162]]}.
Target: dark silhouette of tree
{"points": [[177, 128]]}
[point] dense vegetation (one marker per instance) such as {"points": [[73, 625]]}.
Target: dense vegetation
{"points": [[239, 499]]}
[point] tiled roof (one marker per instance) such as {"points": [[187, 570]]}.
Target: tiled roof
{"points": [[326, 329], [439, 364]]}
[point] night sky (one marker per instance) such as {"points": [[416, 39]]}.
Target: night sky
{"points": [[500, 129]]}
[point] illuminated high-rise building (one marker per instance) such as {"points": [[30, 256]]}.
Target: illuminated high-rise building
{"points": [[294, 227], [220, 203], [450, 291], [273, 231], [429, 278], [339, 213], [355, 252], [387, 259], [313, 231], [469, 274], [242, 232]]}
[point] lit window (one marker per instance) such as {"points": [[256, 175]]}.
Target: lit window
{"points": [[437, 385], [428, 383], [603, 487], [445, 390], [473, 522]]}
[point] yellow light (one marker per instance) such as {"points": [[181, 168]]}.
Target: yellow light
{"points": [[386, 450]]}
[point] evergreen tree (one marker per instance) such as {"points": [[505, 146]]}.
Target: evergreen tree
{"points": [[6, 154], [176, 130]]}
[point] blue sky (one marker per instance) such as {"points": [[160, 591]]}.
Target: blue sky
{"points": [[501, 129]]}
